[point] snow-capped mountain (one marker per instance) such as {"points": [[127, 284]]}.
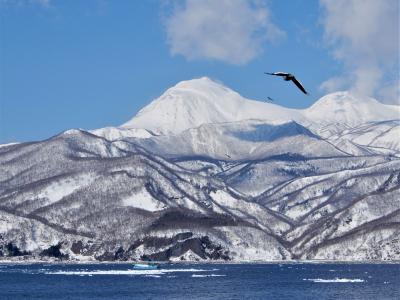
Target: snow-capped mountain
{"points": [[204, 118], [202, 173], [348, 109], [192, 103]]}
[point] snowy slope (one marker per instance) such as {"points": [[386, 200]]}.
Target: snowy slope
{"points": [[195, 102], [250, 139], [347, 108], [115, 133], [374, 137], [192, 103]]}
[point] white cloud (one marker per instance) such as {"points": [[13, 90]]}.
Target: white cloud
{"points": [[232, 31], [333, 84], [365, 37]]}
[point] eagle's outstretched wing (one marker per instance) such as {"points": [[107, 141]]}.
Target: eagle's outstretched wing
{"points": [[298, 84], [277, 73]]}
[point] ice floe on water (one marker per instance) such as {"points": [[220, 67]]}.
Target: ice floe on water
{"points": [[128, 272], [335, 280], [207, 275]]}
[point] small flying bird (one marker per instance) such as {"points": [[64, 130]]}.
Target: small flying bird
{"points": [[269, 99], [289, 77]]}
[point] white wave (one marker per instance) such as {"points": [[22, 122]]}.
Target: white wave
{"points": [[154, 276], [127, 272], [340, 280], [208, 275]]}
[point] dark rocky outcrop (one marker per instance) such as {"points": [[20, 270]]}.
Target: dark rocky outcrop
{"points": [[106, 256], [12, 250], [77, 247], [202, 247], [176, 246], [87, 248], [54, 251]]}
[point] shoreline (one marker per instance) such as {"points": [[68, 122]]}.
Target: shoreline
{"points": [[274, 262]]}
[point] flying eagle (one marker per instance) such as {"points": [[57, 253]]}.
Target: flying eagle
{"points": [[288, 77]]}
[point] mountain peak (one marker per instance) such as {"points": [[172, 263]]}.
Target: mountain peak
{"points": [[348, 108], [200, 89], [198, 83], [194, 102], [342, 98]]}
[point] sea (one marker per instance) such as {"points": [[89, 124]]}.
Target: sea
{"points": [[200, 281]]}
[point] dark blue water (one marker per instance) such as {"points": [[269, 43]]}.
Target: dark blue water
{"points": [[201, 281]]}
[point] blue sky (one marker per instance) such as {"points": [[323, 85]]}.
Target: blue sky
{"points": [[95, 63]]}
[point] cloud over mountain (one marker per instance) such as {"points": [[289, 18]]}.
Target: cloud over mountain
{"points": [[231, 31], [364, 36]]}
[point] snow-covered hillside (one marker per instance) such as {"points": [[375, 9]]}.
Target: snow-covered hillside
{"points": [[374, 137], [203, 173], [113, 133], [242, 140]]}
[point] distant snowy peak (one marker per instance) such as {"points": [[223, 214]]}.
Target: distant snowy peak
{"points": [[192, 103], [350, 109]]}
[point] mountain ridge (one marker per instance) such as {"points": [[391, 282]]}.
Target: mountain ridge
{"points": [[200, 101]]}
